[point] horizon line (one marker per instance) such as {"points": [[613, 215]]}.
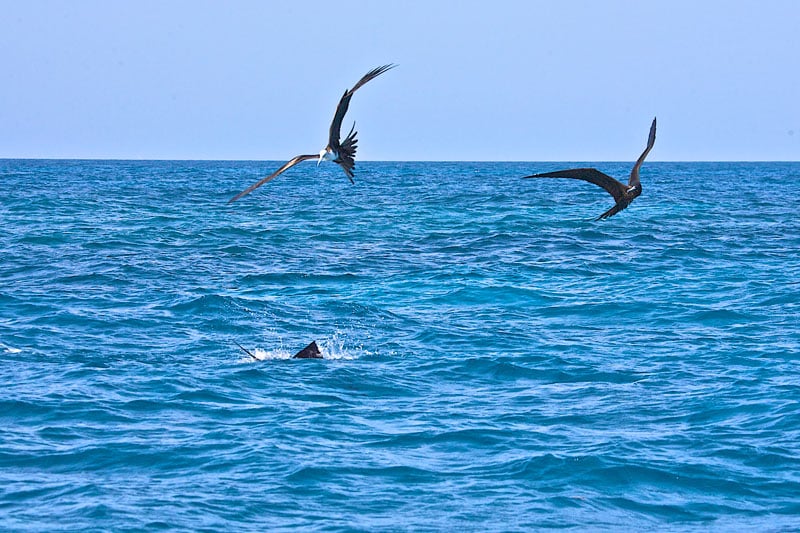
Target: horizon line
{"points": [[157, 159]]}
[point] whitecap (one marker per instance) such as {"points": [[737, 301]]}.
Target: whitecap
{"points": [[10, 349]]}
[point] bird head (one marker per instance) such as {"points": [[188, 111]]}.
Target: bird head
{"points": [[322, 154]]}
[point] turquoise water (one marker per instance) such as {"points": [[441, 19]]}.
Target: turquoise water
{"points": [[495, 359]]}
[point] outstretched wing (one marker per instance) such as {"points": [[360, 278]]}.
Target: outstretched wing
{"points": [[651, 140], [614, 187], [289, 164], [344, 103]]}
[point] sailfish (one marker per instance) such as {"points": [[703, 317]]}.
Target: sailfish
{"points": [[311, 351], [623, 194], [342, 153]]}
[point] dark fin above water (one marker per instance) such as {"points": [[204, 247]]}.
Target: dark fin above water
{"points": [[309, 352]]}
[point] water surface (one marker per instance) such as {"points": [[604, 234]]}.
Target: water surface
{"points": [[495, 359]]}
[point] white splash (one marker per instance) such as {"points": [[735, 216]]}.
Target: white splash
{"points": [[263, 355], [335, 347]]}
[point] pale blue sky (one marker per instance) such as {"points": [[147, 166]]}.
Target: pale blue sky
{"points": [[477, 80]]}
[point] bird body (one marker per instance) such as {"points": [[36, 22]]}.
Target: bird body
{"points": [[623, 194]]}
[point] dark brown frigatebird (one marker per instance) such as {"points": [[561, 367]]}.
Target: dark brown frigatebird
{"points": [[342, 153], [623, 194]]}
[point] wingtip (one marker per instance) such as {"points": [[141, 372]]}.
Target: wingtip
{"points": [[229, 202], [381, 69]]}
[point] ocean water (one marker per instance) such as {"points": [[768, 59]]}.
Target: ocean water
{"points": [[495, 360]]}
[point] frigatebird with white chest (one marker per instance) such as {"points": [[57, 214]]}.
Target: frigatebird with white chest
{"points": [[623, 194], [342, 153]]}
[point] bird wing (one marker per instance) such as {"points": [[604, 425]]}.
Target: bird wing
{"points": [[614, 187], [289, 164], [651, 140], [344, 103], [619, 206]]}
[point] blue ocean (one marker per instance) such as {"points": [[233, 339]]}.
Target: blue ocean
{"points": [[494, 359]]}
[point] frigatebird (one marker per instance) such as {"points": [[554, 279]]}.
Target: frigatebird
{"points": [[342, 153], [623, 194]]}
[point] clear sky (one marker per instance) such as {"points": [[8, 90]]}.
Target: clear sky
{"points": [[553, 80]]}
